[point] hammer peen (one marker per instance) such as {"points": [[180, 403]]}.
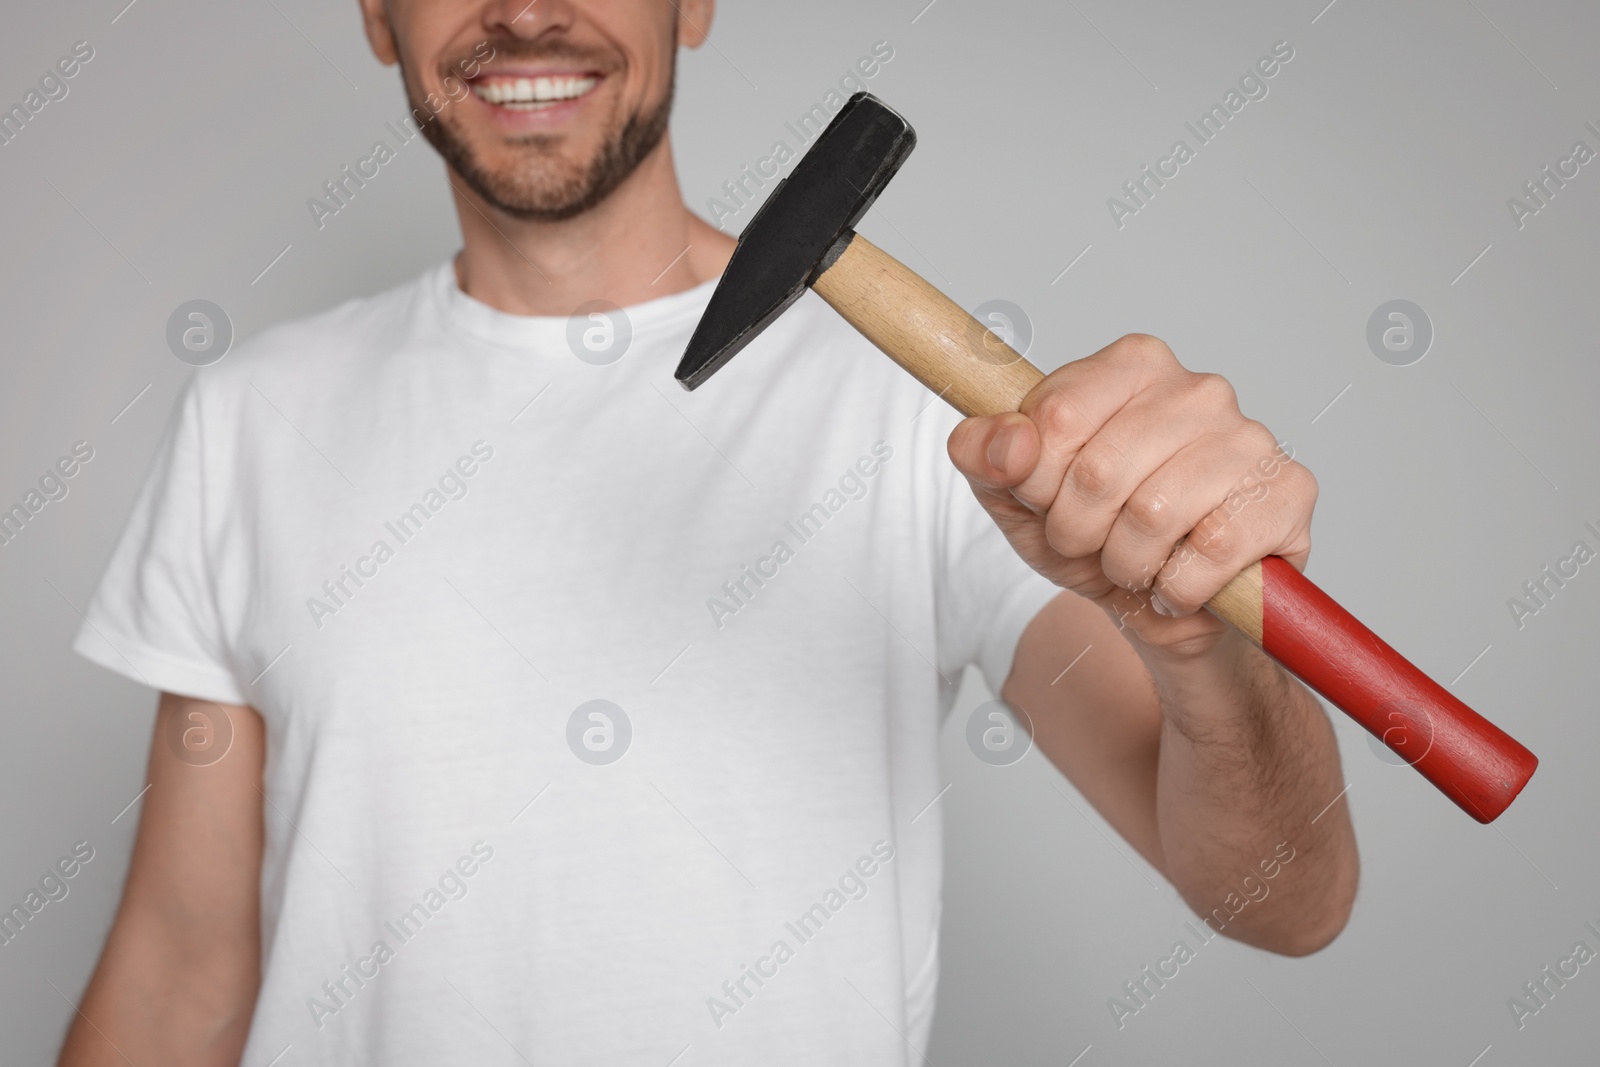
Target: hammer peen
{"points": [[804, 236]]}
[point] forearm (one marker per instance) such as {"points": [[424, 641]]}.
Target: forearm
{"points": [[1249, 772], [150, 1001], [1140, 486], [177, 983]]}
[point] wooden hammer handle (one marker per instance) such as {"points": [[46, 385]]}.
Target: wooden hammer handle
{"points": [[1468, 758]]}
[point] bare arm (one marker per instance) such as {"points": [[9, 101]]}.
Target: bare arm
{"points": [[177, 981], [1139, 486], [1216, 768]]}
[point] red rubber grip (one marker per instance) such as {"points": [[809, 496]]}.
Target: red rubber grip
{"points": [[1471, 760]]}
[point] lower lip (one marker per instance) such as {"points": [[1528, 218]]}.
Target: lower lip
{"points": [[553, 113]]}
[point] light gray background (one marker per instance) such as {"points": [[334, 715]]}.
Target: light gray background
{"points": [[1377, 168]]}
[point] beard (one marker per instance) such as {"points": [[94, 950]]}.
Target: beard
{"points": [[542, 186]]}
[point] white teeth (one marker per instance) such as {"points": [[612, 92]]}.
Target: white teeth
{"points": [[527, 93]]}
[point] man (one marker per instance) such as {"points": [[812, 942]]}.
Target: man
{"points": [[566, 717]]}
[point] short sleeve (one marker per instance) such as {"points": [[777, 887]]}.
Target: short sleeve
{"points": [[984, 595], [153, 617]]}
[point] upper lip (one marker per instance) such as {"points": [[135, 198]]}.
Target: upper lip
{"points": [[535, 71]]}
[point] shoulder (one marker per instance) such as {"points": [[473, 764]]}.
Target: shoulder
{"points": [[324, 349]]}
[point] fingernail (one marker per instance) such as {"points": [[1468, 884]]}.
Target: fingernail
{"points": [[1161, 606], [1000, 448]]}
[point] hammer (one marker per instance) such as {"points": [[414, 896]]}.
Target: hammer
{"points": [[804, 235]]}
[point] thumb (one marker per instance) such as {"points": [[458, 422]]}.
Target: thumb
{"points": [[995, 451]]}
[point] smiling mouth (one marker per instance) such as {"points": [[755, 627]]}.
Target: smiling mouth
{"points": [[532, 94]]}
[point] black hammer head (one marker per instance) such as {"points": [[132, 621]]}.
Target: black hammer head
{"points": [[779, 251]]}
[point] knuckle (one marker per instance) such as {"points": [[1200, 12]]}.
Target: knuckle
{"points": [[1148, 512], [1067, 531], [1297, 484], [1274, 462], [1125, 569], [1214, 392], [1096, 472], [1055, 416], [1143, 348], [1262, 439], [1174, 566], [1304, 481], [1217, 538]]}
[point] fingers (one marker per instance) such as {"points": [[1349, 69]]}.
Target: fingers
{"points": [[1271, 519], [995, 451], [1138, 441], [1162, 510], [1124, 470], [1073, 403]]}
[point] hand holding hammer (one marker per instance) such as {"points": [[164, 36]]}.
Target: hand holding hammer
{"points": [[1092, 502]]}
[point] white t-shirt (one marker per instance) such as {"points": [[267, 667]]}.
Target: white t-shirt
{"points": [[420, 536]]}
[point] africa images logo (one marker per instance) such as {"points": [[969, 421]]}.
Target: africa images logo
{"points": [[1252, 86], [740, 192], [740, 590], [852, 885]]}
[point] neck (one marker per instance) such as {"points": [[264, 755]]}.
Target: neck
{"points": [[640, 243]]}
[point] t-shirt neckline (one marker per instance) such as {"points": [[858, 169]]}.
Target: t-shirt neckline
{"points": [[465, 312]]}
